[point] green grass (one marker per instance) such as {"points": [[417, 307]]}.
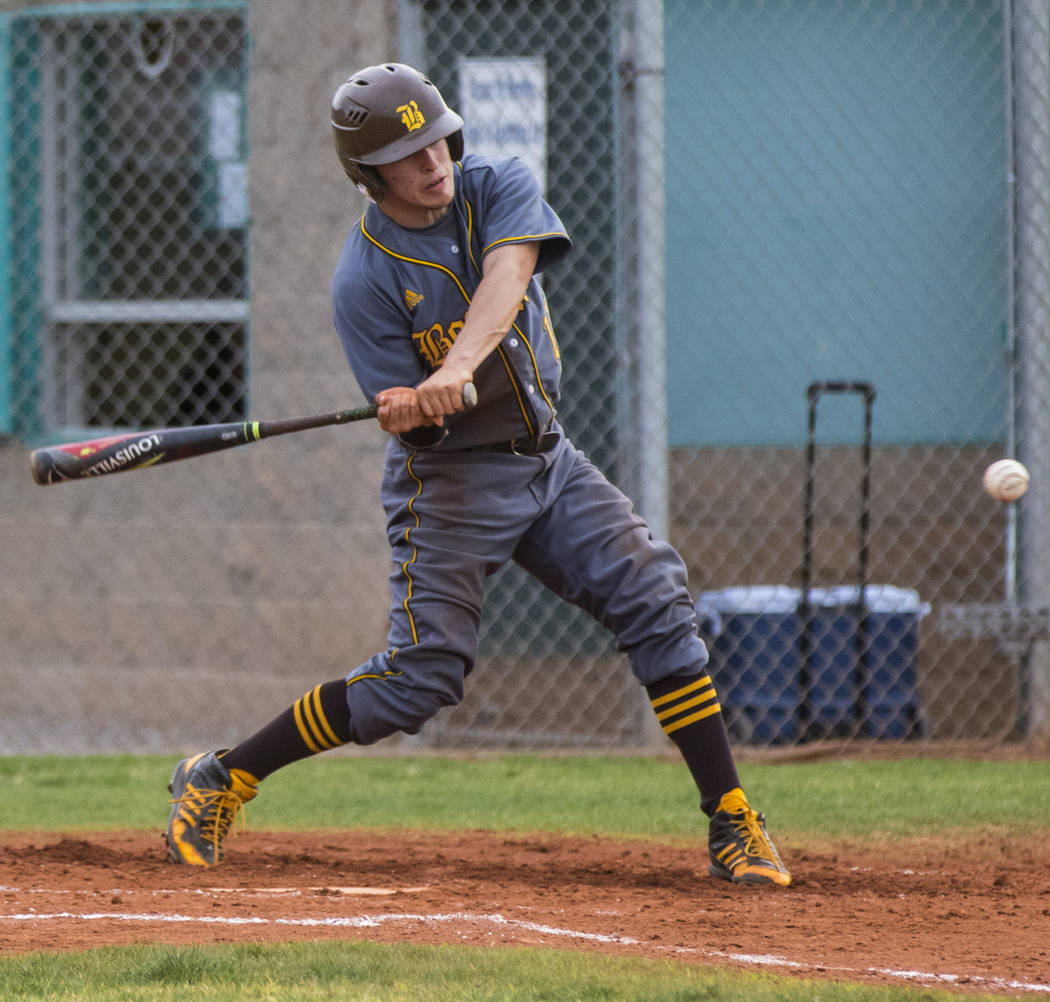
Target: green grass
{"points": [[311, 972], [605, 795]]}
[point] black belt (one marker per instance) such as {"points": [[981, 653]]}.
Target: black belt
{"points": [[520, 446]]}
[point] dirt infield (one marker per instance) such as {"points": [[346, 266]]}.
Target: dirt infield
{"points": [[963, 915]]}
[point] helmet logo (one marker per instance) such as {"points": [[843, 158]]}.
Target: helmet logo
{"points": [[411, 117]]}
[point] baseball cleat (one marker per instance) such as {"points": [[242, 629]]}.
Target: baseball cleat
{"points": [[739, 847], [206, 797]]}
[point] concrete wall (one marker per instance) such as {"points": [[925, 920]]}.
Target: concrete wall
{"points": [[184, 606]]}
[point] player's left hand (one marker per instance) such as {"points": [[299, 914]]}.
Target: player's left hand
{"points": [[400, 410], [442, 392]]}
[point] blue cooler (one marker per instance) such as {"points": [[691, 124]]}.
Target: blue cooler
{"points": [[753, 634], [861, 676], [830, 673]]}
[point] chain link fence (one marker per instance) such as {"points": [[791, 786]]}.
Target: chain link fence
{"points": [[829, 193], [128, 200], [809, 303], [852, 191]]}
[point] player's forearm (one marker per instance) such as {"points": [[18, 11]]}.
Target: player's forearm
{"points": [[494, 306]]}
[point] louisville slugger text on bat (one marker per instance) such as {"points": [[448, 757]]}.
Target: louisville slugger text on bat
{"points": [[119, 453]]}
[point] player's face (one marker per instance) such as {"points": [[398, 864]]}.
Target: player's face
{"points": [[419, 187]]}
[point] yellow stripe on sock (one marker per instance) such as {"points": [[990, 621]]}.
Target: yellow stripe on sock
{"points": [[311, 721], [333, 741], [311, 708], [305, 732], [704, 697], [685, 721], [684, 691]]}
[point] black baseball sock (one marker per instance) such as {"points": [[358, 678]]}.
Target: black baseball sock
{"points": [[318, 721], [688, 710]]}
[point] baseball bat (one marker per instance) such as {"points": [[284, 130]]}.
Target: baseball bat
{"points": [[99, 457]]}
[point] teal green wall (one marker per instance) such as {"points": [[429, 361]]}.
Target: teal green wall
{"points": [[6, 358], [836, 210]]}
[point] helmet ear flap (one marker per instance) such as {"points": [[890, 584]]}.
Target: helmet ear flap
{"points": [[366, 177]]}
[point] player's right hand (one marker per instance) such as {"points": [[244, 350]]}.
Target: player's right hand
{"points": [[400, 410]]}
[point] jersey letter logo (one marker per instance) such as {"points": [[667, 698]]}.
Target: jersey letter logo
{"points": [[411, 117], [433, 344]]}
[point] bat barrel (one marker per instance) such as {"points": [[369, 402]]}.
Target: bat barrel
{"points": [[94, 458], [42, 465], [116, 454]]}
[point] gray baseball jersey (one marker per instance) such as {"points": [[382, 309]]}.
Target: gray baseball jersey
{"points": [[460, 501], [390, 280]]}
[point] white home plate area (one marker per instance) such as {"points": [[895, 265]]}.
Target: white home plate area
{"points": [[967, 916]]}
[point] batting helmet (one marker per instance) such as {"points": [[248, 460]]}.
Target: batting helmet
{"points": [[384, 113]]}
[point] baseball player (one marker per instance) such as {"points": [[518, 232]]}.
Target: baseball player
{"points": [[436, 287]]}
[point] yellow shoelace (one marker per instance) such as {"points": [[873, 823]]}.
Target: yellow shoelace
{"points": [[757, 843], [214, 811]]}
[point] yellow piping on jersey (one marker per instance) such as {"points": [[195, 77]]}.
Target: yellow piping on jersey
{"points": [[470, 237], [548, 326], [415, 260], [526, 238], [408, 539], [517, 392], [535, 368], [389, 673]]}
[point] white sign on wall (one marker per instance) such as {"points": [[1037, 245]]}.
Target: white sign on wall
{"points": [[504, 107], [224, 147]]}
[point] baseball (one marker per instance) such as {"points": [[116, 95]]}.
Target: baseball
{"points": [[1006, 480]]}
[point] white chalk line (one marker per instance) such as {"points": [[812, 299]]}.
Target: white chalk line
{"points": [[496, 919], [326, 891]]}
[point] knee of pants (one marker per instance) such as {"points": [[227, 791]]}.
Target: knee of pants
{"points": [[397, 700], [653, 661]]}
